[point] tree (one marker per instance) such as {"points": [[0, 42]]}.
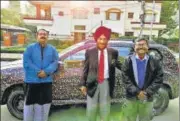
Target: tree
{"points": [[9, 16], [168, 11], [15, 6], [176, 33]]}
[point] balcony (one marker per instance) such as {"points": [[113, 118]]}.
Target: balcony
{"points": [[147, 25], [34, 20], [42, 2]]}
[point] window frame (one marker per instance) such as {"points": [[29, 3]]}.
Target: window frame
{"points": [[61, 13], [113, 10], [80, 13], [126, 33], [130, 15], [96, 10]]}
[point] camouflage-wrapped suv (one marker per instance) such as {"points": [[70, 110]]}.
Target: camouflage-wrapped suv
{"points": [[66, 81]]}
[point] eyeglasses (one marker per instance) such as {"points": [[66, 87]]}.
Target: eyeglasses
{"points": [[141, 45], [41, 34]]}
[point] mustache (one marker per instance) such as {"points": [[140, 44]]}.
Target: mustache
{"points": [[43, 38], [141, 49]]}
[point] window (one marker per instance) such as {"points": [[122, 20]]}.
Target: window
{"points": [[61, 13], [77, 56], [149, 15], [130, 15], [79, 27], [80, 13], [75, 60], [113, 14], [96, 10], [149, 18], [114, 35], [42, 13], [145, 36], [129, 33], [123, 52], [45, 12]]}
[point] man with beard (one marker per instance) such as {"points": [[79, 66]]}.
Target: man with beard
{"points": [[143, 76], [98, 77], [40, 61]]}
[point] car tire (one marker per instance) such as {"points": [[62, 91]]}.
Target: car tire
{"points": [[15, 103], [160, 102]]}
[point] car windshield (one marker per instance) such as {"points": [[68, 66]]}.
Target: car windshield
{"points": [[71, 48]]}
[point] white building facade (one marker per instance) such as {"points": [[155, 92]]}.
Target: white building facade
{"points": [[78, 20]]}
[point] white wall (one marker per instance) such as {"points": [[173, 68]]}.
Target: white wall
{"points": [[48, 28], [64, 25], [146, 32], [136, 9], [61, 24]]}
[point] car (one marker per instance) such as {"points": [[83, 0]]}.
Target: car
{"points": [[67, 78]]}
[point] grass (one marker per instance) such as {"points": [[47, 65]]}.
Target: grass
{"points": [[79, 114]]}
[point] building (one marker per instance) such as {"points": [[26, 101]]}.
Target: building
{"points": [[78, 20], [13, 35]]}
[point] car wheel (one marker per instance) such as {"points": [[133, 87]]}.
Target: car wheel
{"points": [[15, 102], [161, 101]]}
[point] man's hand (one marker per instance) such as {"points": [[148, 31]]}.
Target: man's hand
{"points": [[42, 74], [142, 95], [83, 90]]}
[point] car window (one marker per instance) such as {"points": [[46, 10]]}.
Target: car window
{"points": [[72, 48], [75, 60], [123, 52], [77, 56]]}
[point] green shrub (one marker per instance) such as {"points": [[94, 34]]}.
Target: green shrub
{"points": [[127, 37], [13, 50], [54, 42], [59, 44]]}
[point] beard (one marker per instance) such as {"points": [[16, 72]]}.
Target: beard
{"points": [[42, 43]]}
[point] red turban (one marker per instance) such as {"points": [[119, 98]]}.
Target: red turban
{"points": [[102, 30]]}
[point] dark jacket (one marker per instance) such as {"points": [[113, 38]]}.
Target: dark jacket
{"points": [[153, 78], [90, 72]]}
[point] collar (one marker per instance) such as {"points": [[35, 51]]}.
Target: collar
{"points": [[105, 50], [145, 57], [40, 45]]}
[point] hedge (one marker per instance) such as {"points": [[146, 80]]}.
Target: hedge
{"points": [[13, 50], [59, 44]]}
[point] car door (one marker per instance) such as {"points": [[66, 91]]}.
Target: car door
{"points": [[67, 86]]}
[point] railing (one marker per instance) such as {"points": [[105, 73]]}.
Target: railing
{"points": [[134, 22], [37, 18]]}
